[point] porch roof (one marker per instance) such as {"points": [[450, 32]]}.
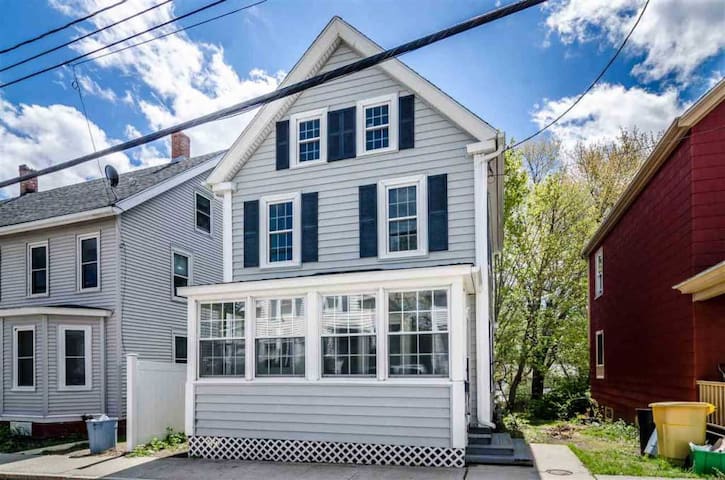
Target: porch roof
{"points": [[706, 284]]}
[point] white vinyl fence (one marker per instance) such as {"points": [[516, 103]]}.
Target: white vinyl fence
{"points": [[154, 399]]}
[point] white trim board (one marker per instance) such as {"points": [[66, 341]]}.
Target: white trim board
{"points": [[70, 311]]}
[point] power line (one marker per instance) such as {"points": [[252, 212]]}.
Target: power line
{"points": [[591, 85], [63, 27], [74, 59], [292, 89], [82, 37], [194, 25]]}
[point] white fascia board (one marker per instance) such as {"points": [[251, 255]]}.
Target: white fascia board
{"points": [[338, 282], [159, 188], [60, 220], [309, 65], [70, 311]]}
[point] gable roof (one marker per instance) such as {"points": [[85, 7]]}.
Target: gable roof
{"points": [[26, 212], [679, 127], [336, 32]]}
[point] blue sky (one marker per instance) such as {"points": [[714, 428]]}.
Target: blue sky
{"points": [[515, 73]]}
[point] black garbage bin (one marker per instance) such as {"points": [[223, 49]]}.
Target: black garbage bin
{"points": [[646, 423]]}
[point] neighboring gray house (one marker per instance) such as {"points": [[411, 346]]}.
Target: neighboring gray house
{"points": [[360, 218], [87, 274]]}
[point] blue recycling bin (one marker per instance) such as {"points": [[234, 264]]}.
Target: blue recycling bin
{"points": [[102, 433]]}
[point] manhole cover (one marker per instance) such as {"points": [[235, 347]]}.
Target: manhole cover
{"points": [[559, 472]]}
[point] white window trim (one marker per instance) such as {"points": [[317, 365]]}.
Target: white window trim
{"points": [[88, 350], [79, 262], [174, 334], [599, 273], [294, 153], [211, 213], [190, 258], [599, 366], [421, 213], [392, 101], [29, 268], [264, 204], [16, 387]]}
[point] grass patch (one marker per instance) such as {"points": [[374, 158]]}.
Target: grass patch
{"points": [[10, 443], [609, 448], [172, 441]]}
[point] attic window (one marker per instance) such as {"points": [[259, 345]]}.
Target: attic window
{"points": [[309, 135], [377, 125]]}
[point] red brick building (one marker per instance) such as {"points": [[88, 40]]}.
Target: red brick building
{"points": [[656, 270]]}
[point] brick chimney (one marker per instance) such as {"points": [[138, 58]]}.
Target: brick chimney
{"points": [[180, 146], [27, 186]]}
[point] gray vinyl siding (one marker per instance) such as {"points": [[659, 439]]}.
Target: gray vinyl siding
{"points": [[149, 233], [381, 414], [440, 147], [23, 402]]}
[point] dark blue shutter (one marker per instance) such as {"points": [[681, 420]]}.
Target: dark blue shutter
{"points": [[309, 227], [283, 145], [341, 134], [437, 213], [368, 199], [251, 233], [406, 122]]}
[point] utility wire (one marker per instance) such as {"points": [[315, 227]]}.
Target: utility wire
{"points": [[194, 25], [591, 85], [74, 59], [78, 39], [63, 27], [298, 87]]}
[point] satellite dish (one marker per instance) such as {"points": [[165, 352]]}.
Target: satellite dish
{"points": [[111, 175]]}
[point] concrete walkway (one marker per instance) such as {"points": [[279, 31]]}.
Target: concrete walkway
{"points": [[550, 460]]}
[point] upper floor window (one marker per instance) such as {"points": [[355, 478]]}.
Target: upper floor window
{"points": [[378, 124], [403, 210], [309, 134], [599, 273], [280, 245], [599, 347], [88, 262], [24, 357], [203, 212], [74, 355], [221, 340], [348, 334], [38, 268], [280, 336], [181, 272]]}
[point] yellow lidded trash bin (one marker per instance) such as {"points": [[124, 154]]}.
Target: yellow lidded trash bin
{"points": [[678, 424]]}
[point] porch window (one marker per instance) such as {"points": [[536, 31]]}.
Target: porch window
{"points": [[280, 336], [418, 332], [74, 352], [24, 358], [221, 340], [600, 353], [348, 334]]}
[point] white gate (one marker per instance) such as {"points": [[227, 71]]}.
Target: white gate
{"points": [[154, 399]]}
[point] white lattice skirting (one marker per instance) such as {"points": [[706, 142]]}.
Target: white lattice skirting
{"points": [[323, 452]]}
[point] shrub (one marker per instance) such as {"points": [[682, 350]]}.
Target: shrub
{"points": [[567, 398]]}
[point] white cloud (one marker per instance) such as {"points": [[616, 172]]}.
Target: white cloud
{"points": [[674, 36], [42, 136], [90, 87], [605, 110]]}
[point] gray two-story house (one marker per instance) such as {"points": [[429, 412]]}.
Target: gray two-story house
{"points": [[353, 324], [90, 272]]}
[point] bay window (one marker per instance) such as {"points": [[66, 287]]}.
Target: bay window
{"points": [[348, 334], [24, 357], [221, 339], [280, 336]]}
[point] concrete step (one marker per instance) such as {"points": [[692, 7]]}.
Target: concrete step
{"points": [[519, 455], [501, 444], [481, 430], [479, 439]]}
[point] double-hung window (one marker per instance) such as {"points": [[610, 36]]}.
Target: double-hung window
{"points": [[281, 242], [402, 206], [280, 336], [221, 340], [599, 273], [88, 262], [179, 353], [378, 124], [74, 357], [180, 273], [599, 353], [203, 212], [418, 332], [309, 138], [24, 357], [348, 334], [38, 269]]}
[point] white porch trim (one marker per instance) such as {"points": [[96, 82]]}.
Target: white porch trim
{"points": [[69, 311]]}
